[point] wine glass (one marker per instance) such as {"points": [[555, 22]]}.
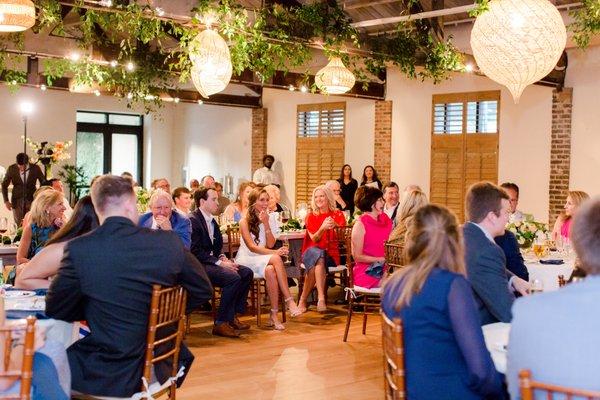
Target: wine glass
{"points": [[3, 229], [286, 243], [12, 232], [285, 216], [536, 286]]}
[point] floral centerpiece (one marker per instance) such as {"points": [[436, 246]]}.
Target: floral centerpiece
{"points": [[143, 198], [291, 225], [49, 154], [527, 231]]}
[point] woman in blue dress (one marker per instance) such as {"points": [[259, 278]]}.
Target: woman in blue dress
{"points": [[445, 353]]}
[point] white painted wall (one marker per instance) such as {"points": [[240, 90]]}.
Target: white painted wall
{"points": [[281, 137], [211, 140], [583, 75], [524, 156]]}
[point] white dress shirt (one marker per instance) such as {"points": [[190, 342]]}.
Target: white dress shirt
{"points": [[266, 176], [211, 228]]}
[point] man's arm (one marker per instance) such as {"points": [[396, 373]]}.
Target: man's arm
{"points": [[490, 283], [5, 183], [183, 228], [194, 279], [202, 253], [514, 259], [64, 300]]}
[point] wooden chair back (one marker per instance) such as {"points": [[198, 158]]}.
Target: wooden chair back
{"points": [[26, 372], [167, 311], [233, 240], [393, 359], [561, 281], [394, 256], [528, 388], [343, 236]]}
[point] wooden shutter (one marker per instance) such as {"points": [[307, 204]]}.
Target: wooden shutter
{"points": [[319, 146], [464, 145]]}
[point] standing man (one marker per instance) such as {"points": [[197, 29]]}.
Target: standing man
{"points": [[391, 195], [265, 175], [207, 246], [24, 178]]}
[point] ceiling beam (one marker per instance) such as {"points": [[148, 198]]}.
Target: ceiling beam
{"points": [[361, 4], [416, 16]]}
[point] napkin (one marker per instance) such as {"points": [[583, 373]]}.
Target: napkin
{"points": [[21, 314]]}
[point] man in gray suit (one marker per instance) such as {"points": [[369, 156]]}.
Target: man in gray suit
{"points": [[24, 177], [487, 208], [555, 334]]}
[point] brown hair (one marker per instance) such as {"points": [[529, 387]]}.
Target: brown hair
{"points": [[179, 191], [409, 205], [482, 198], [251, 216], [433, 240], [110, 189], [366, 196], [39, 208], [585, 233]]}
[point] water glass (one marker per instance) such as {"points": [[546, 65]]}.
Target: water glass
{"points": [[536, 286], [3, 229]]}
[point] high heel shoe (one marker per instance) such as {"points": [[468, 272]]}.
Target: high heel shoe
{"points": [[278, 326], [294, 310]]}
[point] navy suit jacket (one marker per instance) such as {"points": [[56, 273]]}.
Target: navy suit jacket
{"points": [[514, 260], [486, 270], [205, 250], [106, 278], [179, 222]]}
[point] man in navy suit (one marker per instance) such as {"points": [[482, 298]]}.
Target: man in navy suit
{"points": [[514, 260], [234, 279], [162, 217], [487, 209], [555, 334]]}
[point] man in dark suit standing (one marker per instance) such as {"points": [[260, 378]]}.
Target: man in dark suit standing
{"points": [[235, 280], [24, 177], [487, 209], [106, 278]]}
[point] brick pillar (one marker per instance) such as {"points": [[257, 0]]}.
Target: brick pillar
{"points": [[383, 140], [259, 137], [560, 151]]}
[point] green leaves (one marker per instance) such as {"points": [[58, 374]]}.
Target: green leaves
{"points": [[586, 22]]}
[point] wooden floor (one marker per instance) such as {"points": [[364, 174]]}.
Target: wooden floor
{"points": [[306, 361]]}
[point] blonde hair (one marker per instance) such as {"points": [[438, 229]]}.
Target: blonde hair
{"points": [[330, 199], [273, 192], [39, 208], [433, 240], [578, 197], [409, 205]]}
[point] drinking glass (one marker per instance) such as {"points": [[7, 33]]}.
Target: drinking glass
{"points": [[347, 215], [286, 243], [285, 216], [536, 286], [12, 232], [539, 248], [3, 229]]}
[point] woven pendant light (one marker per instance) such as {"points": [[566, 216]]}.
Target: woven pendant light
{"points": [[335, 78], [16, 15], [518, 42], [211, 63]]}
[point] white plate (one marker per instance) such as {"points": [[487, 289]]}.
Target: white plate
{"points": [[18, 294]]}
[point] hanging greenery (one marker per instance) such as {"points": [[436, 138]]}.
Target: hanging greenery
{"points": [[586, 22]]}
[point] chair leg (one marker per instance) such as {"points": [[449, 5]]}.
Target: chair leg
{"points": [[282, 307], [364, 325], [348, 318], [214, 304], [258, 303], [188, 322]]}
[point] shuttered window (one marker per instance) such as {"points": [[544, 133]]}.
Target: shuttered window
{"points": [[319, 146], [464, 145]]}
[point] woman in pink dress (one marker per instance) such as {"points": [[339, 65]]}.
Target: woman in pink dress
{"points": [[562, 226], [369, 234]]}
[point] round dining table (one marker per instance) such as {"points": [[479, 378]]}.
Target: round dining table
{"points": [[548, 274]]}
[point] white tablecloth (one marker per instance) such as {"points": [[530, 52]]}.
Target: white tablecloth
{"points": [[548, 273], [496, 341]]}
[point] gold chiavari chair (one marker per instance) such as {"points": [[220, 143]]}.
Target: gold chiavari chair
{"points": [[393, 256], [25, 374], [393, 358], [529, 388]]}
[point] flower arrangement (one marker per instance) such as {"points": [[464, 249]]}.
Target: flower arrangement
{"points": [[49, 154], [143, 198], [527, 231]]}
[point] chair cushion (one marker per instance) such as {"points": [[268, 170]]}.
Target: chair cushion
{"points": [[360, 289], [338, 268]]}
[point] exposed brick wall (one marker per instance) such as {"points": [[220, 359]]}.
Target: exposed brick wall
{"points": [[560, 151], [259, 137], [383, 140]]}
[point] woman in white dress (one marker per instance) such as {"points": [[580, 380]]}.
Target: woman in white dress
{"points": [[256, 253]]}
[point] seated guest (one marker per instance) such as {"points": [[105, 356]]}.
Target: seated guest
{"points": [[256, 252], [410, 204], [235, 211], [514, 260], [487, 214], [104, 280], [274, 199], [46, 218], [369, 234], [223, 201], [182, 199], [348, 187], [234, 279], [391, 196], [128, 175], [512, 190], [336, 189], [194, 184], [57, 185], [542, 322], [208, 181], [161, 183], [162, 217], [36, 273], [320, 249], [370, 178], [445, 353], [562, 226]]}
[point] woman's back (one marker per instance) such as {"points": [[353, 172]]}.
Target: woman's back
{"points": [[439, 347]]}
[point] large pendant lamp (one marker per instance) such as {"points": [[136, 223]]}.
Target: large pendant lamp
{"points": [[211, 63], [518, 42], [16, 15], [335, 78]]}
